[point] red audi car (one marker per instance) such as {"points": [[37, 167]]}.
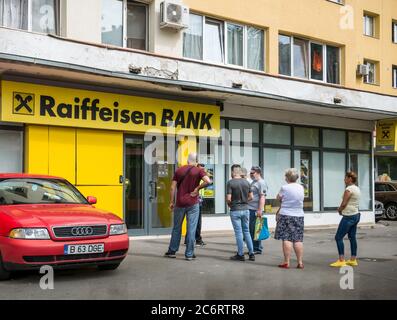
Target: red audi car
{"points": [[46, 221]]}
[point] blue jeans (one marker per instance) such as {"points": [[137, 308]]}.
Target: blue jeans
{"points": [[257, 244], [240, 222], [192, 215], [348, 225]]}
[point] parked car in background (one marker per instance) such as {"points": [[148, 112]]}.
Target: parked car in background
{"points": [[379, 210], [386, 192], [46, 221]]}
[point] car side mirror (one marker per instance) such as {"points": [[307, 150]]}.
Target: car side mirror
{"points": [[91, 200]]}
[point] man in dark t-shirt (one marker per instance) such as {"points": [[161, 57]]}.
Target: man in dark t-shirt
{"points": [[186, 181], [238, 193]]}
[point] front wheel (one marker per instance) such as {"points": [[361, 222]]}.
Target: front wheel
{"points": [[391, 211], [4, 274], [112, 266]]}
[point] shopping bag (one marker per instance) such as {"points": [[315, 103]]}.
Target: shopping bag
{"points": [[261, 229]]}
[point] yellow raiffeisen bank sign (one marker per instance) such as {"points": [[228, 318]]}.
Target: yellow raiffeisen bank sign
{"points": [[386, 135], [57, 106]]}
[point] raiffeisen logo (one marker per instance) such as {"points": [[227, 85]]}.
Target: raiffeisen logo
{"points": [[87, 109]]}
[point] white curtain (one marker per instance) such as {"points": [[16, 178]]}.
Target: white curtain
{"points": [[14, 14], [235, 44], [301, 58], [214, 41], [44, 17], [255, 49], [193, 38]]}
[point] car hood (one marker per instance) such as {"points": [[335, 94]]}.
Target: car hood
{"points": [[57, 214]]}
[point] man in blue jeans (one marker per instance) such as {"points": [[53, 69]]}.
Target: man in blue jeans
{"points": [[256, 205], [186, 181], [238, 193]]}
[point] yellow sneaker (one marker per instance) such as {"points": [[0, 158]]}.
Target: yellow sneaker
{"points": [[338, 264], [352, 263]]}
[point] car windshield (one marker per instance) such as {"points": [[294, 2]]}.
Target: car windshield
{"points": [[38, 191]]}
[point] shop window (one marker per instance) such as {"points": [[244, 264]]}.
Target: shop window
{"points": [[275, 162], [306, 59], [246, 157], [124, 31], [11, 146], [394, 73], [360, 164], [193, 38], [359, 141], [334, 139], [276, 134], [205, 40], [241, 131], [372, 74], [386, 167], [307, 137], [334, 165], [307, 162], [32, 15]]}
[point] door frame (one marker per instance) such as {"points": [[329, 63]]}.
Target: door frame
{"points": [[147, 229]]}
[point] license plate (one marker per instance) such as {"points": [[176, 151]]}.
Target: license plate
{"points": [[84, 248], [378, 213]]}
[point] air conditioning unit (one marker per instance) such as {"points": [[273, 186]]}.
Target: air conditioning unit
{"points": [[362, 70], [173, 15]]}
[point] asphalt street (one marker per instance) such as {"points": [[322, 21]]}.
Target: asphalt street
{"points": [[146, 274]]}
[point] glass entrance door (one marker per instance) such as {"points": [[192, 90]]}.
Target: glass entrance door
{"points": [[146, 189], [159, 175]]}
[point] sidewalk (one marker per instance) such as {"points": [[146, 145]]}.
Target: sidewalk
{"points": [[146, 274]]}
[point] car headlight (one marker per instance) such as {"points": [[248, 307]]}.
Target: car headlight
{"points": [[30, 233], [118, 229]]}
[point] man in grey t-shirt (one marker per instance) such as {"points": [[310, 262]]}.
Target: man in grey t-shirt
{"points": [[257, 204], [238, 193]]}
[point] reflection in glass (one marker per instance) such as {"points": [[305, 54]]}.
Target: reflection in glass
{"points": [[214, 41], [112, 22], [235, 44]]}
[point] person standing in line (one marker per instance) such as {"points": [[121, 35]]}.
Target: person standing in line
{"points": [[199, 239], [257, 204], [290, 218], [244, 173], [238, 193], [350, 219], [186, 181]]}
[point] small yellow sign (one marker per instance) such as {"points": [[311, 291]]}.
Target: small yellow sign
{"points": [[386, 135], [68, 107]]}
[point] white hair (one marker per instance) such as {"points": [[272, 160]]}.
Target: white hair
{"points": [[192, 158], [291, 174]]}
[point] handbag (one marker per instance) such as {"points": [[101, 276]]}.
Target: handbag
{"points": [[261, 229]]}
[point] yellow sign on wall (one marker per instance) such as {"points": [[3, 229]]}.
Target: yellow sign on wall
{"points": [[386, 135], [57, 106]]}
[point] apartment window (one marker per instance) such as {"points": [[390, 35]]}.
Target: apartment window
{"points": [[309, 60], [394, 31], [214, 41], [369, 25], [193, 38], [371, 77], [394, 72], [284, 55], [32, 15], [219, 42], [128, 30]]}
